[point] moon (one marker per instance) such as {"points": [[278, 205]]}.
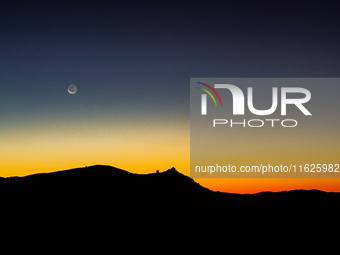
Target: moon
{"points": [[72, 89]]}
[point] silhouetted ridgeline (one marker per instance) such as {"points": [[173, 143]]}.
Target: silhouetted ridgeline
{"points": [[96, 200]]}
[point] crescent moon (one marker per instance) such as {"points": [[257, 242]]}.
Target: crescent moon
{"points": [[72, 89]]}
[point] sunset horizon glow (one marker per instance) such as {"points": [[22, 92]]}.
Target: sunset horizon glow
{"points": [[131, 65]]}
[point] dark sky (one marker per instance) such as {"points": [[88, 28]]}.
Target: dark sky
{"points": [[142, 45], [134, 59]]}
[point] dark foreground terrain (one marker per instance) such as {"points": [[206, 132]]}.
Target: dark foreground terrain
{"points": [[110, 205]]}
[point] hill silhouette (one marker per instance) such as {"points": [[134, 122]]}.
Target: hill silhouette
{"points": [[94, 202]]}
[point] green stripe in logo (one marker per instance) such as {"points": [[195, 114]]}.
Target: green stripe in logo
{"points": [[208, 94]]}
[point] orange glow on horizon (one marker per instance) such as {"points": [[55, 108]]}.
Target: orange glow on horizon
{"points": [[251, 186], [42, 149]]}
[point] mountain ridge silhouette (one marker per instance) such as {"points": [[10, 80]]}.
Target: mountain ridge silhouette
{"points": [[99, 170], [97, 199]]}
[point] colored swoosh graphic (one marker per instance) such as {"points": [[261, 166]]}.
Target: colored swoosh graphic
{"points": [[208, 86]]}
